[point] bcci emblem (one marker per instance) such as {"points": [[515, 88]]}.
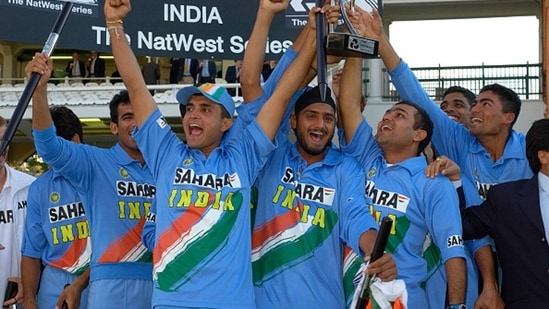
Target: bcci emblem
{"points": [[55, 197], [123, 173], [188, 162], [372, 172]]}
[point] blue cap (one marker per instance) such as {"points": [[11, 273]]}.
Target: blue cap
{"points": [[211, 91]]}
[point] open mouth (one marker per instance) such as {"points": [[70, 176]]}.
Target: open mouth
{"points": [[453, 117], [317, 136], [476, 120], [386, 127], [195, 130]]}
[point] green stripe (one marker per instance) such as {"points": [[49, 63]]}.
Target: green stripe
{"points": [[191, 261], [348, 277], [291, 254], [401, 226], [217, 93], [81, 269], [434, 262], [433, 257], [375, 305], [145, 257]]}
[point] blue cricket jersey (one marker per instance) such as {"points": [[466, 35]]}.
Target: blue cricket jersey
{"points": [[117, 192], [203, 235], [422, 210], [304, 216]]}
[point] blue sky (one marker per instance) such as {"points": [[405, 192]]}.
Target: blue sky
{"points": [[504, 40]]}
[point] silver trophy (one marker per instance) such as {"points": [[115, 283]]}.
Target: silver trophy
{"points": [[350, 44]]}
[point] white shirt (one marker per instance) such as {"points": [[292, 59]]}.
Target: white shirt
{"points": [[76, 68], [544, 201], [92, 66], [13, 209]]}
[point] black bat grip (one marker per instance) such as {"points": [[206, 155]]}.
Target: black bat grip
{"points": [[19, 112], [379, 248], [25, 98], [11, 290], [321, 65]]}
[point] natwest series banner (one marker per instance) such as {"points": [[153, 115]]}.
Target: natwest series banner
{"points": [[168, 28]]}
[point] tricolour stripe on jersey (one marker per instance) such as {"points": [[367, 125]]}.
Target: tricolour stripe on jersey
{"points": [[287, 247], [76, 259], [192, 241], [402, 225], [127, 248]]}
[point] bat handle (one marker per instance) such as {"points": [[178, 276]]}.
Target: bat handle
{"points": [[379, 248], [57, 28]]}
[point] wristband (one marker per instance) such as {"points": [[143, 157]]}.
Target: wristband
{"points": [[457, 306]]}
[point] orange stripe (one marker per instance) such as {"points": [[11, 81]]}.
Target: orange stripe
{"points": [[398, 304], [117, 250], [71, 255], [180, 226], [276, 225], [346, 250]]}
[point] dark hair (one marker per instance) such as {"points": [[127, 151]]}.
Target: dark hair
{"points": [[121, 98], [421, 121], [509, 99], [66, 123], [537, 139], [183, 110], [468, 94]]}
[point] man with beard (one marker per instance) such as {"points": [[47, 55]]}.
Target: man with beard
{"points": [[309, 198], [310, 201]]}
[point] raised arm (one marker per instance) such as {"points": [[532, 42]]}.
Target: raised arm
{"points": [[255, 50], [350, 85], [448, 135], [41, 117], [271, 113], [124, 58]]}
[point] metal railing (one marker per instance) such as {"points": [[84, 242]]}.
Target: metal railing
{"points": [[524, 79]]}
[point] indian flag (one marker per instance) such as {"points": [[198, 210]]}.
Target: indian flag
{"points": [[351, 265]]}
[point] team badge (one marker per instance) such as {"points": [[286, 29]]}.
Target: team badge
{"points": [[188, 162], [372, 172], [55, 197], [124, 173], [162, 123]]}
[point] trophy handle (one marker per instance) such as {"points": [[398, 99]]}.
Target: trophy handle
{"points": [[342, 3], [350, 44]]}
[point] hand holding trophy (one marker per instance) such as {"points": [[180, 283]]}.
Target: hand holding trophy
{"points": [[352, 44]]}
